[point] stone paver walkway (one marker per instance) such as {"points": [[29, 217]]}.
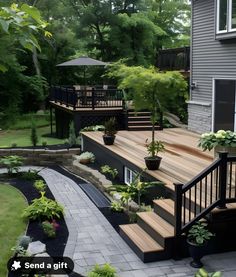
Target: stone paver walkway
{"points": [[93, 240]]}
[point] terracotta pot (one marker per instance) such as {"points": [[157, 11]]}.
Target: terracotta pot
{"points": [[153, 163]]}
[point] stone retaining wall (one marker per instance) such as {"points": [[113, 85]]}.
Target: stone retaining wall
{"points": [[43, 157]]}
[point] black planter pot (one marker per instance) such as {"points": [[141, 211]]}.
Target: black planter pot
{"points": [[196, 252], [108, 140], [152, 163]]}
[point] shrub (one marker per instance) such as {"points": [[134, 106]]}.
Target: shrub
{"points": [[44, 143], [12, 163], [49, 229], [30, 175], [116, 206], [103, 271], [110, 127], [34, 135], [72, 140], [40, 185], [106, 169], [199, 234], [13, 145], [86, 156], [43, 208]]}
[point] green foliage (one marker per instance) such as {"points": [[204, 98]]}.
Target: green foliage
{"points": [[72, 140], [203, 273], [49, 229], [13, 145], [93, 128], [43, 208], [34, 135], [87, 156], [102, 271], [31, 175], [12, 163], [40, 186], [151, 89], [199, 234], [221, 138], [106, 169], [154, 147], [44, 143], [110, 127], [116, 206]]}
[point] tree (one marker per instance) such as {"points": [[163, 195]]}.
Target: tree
{"points": [[151, 88]]}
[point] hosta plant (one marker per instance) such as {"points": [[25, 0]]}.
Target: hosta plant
{"points": [[221, 138], [199, 234], [43, 208]]}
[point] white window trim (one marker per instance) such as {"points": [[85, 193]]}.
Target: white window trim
{"points": [[131, 175], [218, 31], [230, 16], [228, 19]]}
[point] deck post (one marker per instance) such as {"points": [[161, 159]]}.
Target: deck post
{"points": [[93, 98], [51, 118], [178, 221], [222, 179]]}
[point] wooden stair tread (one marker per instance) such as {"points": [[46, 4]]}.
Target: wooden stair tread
{"points": [[140, 238], [161, 226], [230, 206], [167, 204]]}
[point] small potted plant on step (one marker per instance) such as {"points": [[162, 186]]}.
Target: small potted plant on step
{"points": [[197, 239], [153, 160], [110, 131]]}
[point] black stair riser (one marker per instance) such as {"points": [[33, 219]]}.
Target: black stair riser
{"points": [[166, 243], [164, 214], [139, 118], [149, 124], [145, 257], [137, 128]]}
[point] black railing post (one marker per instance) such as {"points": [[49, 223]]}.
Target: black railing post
{"points": [[222, 179], [93, 98], [178, 209], [178, 221], [67, 98], [75, 98]]}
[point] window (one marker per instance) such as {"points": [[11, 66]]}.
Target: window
{"points": [[130, 176], [226, 16]]}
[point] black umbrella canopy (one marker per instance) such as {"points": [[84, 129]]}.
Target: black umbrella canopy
{"points": [[82, 61]]}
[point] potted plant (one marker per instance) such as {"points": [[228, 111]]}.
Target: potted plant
{"points": [[197, 239], [153, 160], [109, 131], [221, 141]]}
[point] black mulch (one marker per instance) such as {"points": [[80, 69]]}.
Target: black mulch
{"points": [[55, 247], [48, 147]]}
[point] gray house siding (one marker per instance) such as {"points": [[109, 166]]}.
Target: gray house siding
{"points": [[211, 59]]}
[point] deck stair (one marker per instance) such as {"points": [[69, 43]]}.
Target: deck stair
{"points": [[153, 235], [140, 121]]}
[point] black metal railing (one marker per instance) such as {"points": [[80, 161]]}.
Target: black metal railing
{"points": [[213, 187], [87, 98], [174, 59]]}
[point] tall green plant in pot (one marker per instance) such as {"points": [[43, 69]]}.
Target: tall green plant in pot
{"points": [[109, 131], [152, 90]]}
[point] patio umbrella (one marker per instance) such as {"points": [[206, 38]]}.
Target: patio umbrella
{"points": [[83, 61]]}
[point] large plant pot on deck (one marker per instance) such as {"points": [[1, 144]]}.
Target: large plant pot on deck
{"points": [[152, 163], [196, 252], [108, 140]]}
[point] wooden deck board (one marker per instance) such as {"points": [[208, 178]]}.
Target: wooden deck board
{"points": [[181, 161]]}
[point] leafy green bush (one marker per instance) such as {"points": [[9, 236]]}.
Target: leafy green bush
{"points": [[43, 208], [30, 175], [103, 271], [106, 169], [49, 229], [40, 185], [116, 206], [203, 273], [199, 234], [12, 163], [34, 136]]}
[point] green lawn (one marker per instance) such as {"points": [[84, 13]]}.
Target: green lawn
{"points": [[22, 137], [11, 224]]}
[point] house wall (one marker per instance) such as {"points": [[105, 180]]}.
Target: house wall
{"points": [[211, 58]]}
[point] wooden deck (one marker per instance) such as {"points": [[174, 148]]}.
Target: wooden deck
{"points": [[181, 161]]}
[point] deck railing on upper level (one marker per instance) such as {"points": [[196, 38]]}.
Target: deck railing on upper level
{"points": [[213, 187], [174, 59], [87, 98]]}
